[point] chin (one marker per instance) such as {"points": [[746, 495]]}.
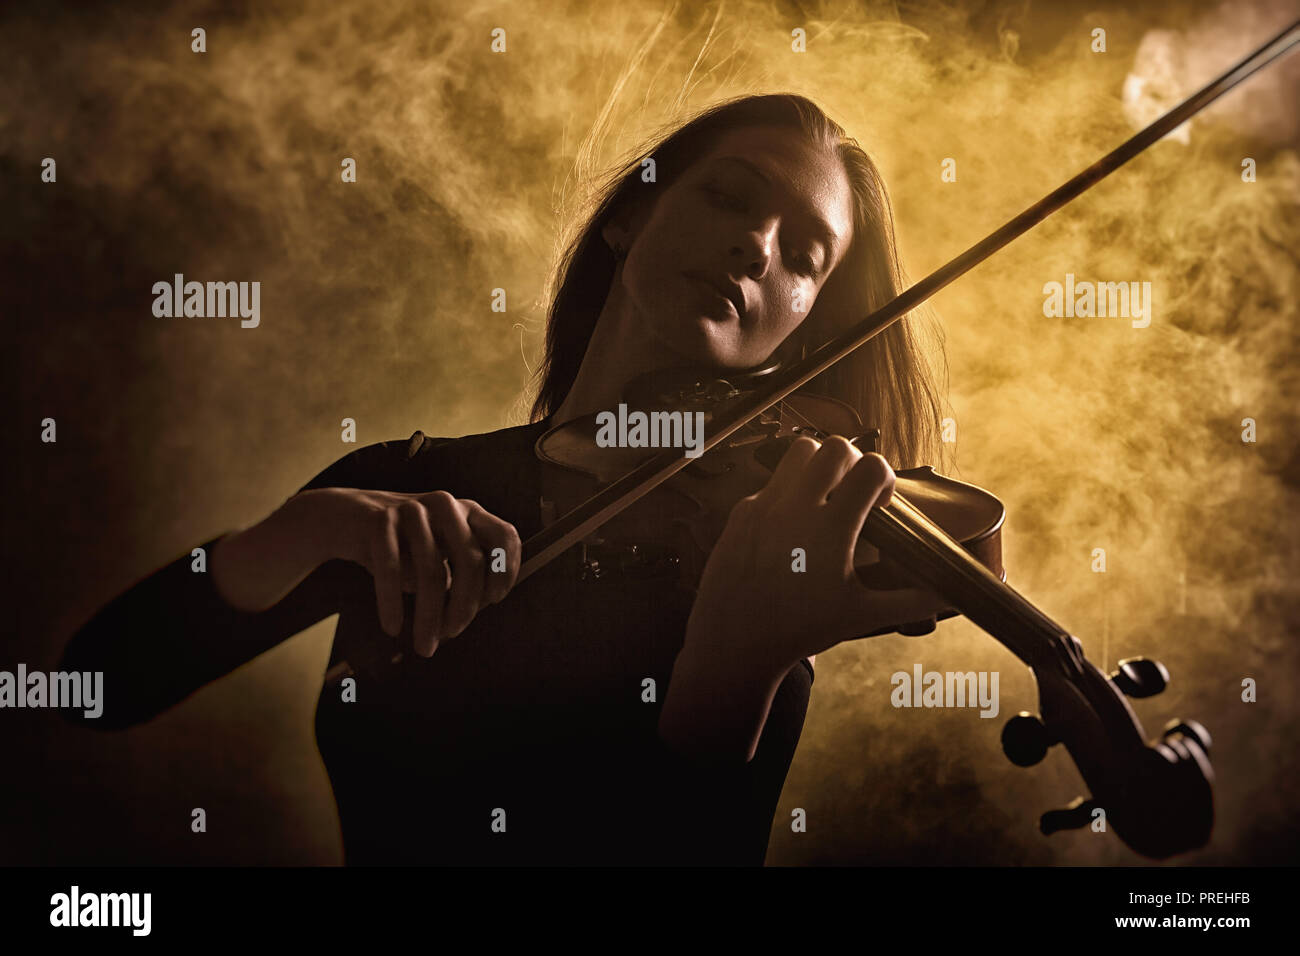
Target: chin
{"points": [[702, 340]]}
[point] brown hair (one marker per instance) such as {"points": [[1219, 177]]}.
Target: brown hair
{"points": [[889, 380]]}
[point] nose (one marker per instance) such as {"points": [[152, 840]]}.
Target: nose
{"points": [[752, 252]]}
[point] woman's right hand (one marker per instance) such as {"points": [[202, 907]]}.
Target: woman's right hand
{"points": [[439, 547]]}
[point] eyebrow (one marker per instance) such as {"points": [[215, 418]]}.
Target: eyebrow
{"points": [[820, 226]]}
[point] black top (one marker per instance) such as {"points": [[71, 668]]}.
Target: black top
{"points": [[536, 709]]}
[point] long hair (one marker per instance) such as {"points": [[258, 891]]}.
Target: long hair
{"points": [[890, 381]]}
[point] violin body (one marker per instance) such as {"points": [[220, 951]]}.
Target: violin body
{"points": [[686, 514]]}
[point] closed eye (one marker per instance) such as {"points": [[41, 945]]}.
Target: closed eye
{"points": [[804, 261], [726, 199], [809, 268]]}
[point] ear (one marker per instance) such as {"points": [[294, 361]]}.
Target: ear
{"points": [[616, 233], [622, 227]]}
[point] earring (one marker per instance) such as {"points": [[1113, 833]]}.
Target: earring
{"points": [[619, 250]]}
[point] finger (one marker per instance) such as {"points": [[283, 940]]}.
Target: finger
{"points": [[889, 609], [430, 576], [386, 567], [835, 457], [783, 479], [493, 533], [457, 543], [868, 484]]}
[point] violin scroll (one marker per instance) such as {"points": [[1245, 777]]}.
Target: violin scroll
{"points": [[1158, 795]]}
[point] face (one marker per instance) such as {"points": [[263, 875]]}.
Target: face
{"points": [[762, 219]]}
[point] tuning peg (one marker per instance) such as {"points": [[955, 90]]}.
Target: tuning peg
{"points": [[1140, 677], [1025, 739], [1189, 728], [1077, 815]]}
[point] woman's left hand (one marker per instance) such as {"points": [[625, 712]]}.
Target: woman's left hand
{"points": [[756, 607]]}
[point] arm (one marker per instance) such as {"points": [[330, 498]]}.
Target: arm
{"points": [[754, 617], [715, 710], [178, 629], [172, 633], [719, 807], [254, 569]]}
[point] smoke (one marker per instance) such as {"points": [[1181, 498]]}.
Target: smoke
{"points": [[1171, 64], [472, 167]]}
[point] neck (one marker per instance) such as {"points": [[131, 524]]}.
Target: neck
{"points": [[621, 348]]}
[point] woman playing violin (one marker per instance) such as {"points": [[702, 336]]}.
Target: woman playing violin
{"points": [[577, 718]]}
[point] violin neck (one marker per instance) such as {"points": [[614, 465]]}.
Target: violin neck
{"points": [[936, 561]]}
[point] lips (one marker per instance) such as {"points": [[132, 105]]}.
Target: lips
{"points": [[726, 288]]}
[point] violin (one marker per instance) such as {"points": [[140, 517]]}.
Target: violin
{"points": [[936, 533], [675, 530]]}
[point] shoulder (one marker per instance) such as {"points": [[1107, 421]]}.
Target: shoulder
{"points": [[807, 663], [376, 465], [410, 464]]}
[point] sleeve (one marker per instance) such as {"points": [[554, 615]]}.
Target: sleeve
{"points": [[735, 803], [171, 633]]}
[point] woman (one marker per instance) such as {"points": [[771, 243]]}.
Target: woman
{"points": [[575, 719]]}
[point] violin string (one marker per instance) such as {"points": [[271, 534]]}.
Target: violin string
{"points": [[995, 591], [786, 407]]}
